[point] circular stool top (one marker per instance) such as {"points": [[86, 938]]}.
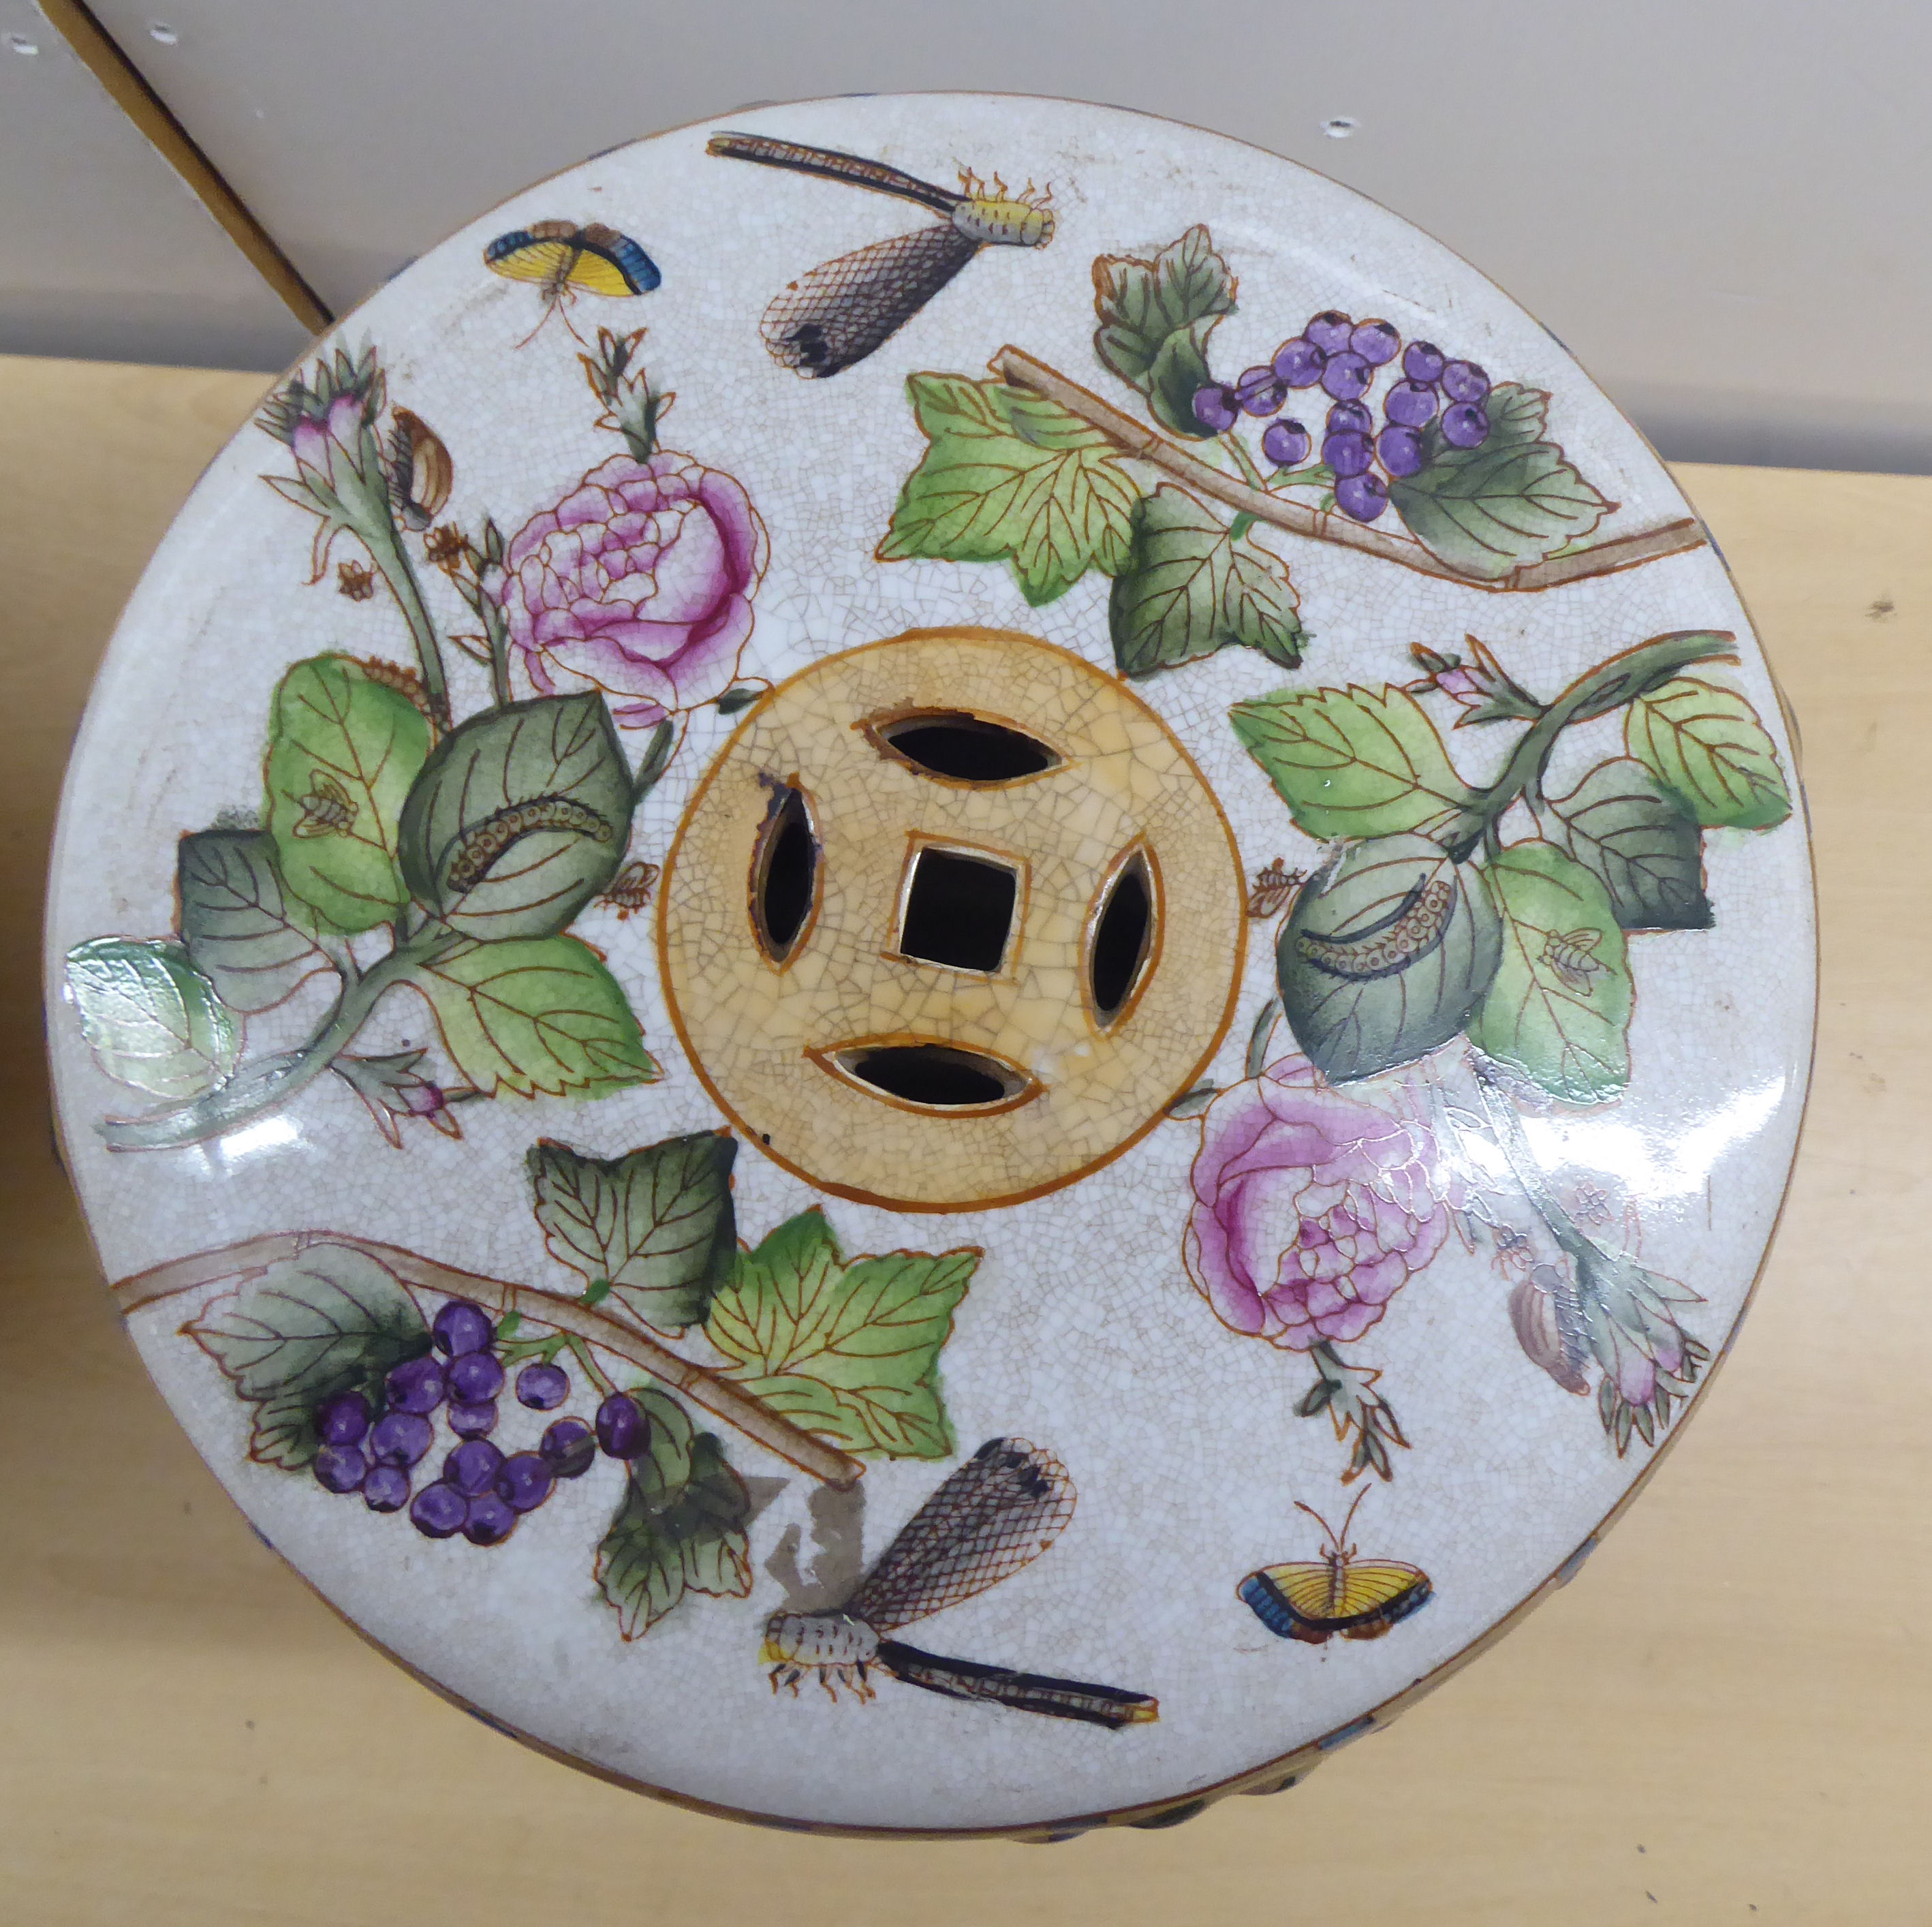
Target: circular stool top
{"points": [[926, 1007]]}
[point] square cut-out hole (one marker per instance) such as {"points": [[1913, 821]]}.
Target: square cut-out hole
{"points": [[958, 910]]}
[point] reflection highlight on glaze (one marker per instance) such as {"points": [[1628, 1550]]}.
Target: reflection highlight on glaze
{"points": [[1655, 1163]]}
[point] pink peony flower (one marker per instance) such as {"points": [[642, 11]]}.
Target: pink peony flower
{"points": [[639, 583], [1311, 1207]]}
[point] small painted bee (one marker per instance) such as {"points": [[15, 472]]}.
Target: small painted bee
{"points": [[1568, 953], [630, 889], [1273, 888], [327, 810]]}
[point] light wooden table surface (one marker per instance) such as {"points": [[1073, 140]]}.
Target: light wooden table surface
{"points": [[1728, 1718]]}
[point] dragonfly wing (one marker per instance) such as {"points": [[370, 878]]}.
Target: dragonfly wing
{"points": [[843, 310], [998, 1512]]}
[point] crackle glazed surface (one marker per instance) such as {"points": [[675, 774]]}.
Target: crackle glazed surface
{"points": [[1006, 959]]}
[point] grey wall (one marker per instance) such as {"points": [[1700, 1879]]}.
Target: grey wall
{"points": [[1720, 206]]}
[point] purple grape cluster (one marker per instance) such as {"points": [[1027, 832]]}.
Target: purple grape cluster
{"points": [[1343, 357], [374, 1447]]}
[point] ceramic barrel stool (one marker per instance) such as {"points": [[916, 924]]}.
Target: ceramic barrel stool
{"points": [[930, 1004]]}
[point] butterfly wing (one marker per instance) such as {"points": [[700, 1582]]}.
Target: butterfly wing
{"points": [[1291, 1601], [1298, 1601], [998, 1512], [843, 310], [1377, 1594], [543, 251], [610, 263]]}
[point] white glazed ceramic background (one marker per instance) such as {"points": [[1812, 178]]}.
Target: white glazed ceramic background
{"points": [[1081, 1330]]}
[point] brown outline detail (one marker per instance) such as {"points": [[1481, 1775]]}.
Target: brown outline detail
{"points": [[1141, 850], [919, 841], [872, 727], [826, 1057], [971, 632]]}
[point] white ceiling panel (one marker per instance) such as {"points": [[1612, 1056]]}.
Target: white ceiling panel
{"points": [[1718, 204], [104, 253]]}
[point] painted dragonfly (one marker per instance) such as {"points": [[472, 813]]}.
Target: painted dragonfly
{"points": [[844, 309], [997, 1513]]}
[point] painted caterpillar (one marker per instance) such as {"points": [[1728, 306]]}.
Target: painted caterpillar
{"points": [[1407, 933], [407, 683], [478, 848]]}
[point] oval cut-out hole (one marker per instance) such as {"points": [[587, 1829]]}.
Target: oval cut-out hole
{"points": [[938, 1077], [1123, 937], [784, 874], [963, 748]]}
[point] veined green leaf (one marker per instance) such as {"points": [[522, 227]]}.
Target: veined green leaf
{"points": [[1386, 958], [1156, 314], [253, 940], [1011, 476], [849, 1350], [1353, 762], [343, 753], [519, 818], [332, 1319], [656, 1223], [1189, 588], [1706, 743], [153, 1021], [1642, 842], [680, 1526], [1488, 511], [538, 1013], [1559, 1008]]}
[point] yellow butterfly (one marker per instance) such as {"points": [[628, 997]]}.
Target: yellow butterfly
{"points": [[565, 260], [1313, 1599]]}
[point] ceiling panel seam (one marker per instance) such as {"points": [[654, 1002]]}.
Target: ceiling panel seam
{"points": [[101, 54]]}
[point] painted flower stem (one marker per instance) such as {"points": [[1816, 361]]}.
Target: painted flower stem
{"points": [[1144, 443], [717, 1395], [253, 1092], [1347, 1394], [1609, 686], [385, 549]]}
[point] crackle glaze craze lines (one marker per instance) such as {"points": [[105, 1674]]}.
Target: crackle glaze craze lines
{"points": [[1136, 871]]}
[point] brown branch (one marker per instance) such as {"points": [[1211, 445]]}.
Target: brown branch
{"points": [[1147, 444], [717, 1395]]}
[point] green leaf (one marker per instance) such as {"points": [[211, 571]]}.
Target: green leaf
{"points": [[1010, 475], [680, 1526], [656, 1223], [342, 751], [151, 1019], [850, 1350], [1353, 762], [1189, 588], [1486, 512], [1559, 1009], [1641, 840], [1385, 959], [1706, 743], [1156, 314], [519, 818], [332, 1319], [252, 939], [539, 1014]]}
